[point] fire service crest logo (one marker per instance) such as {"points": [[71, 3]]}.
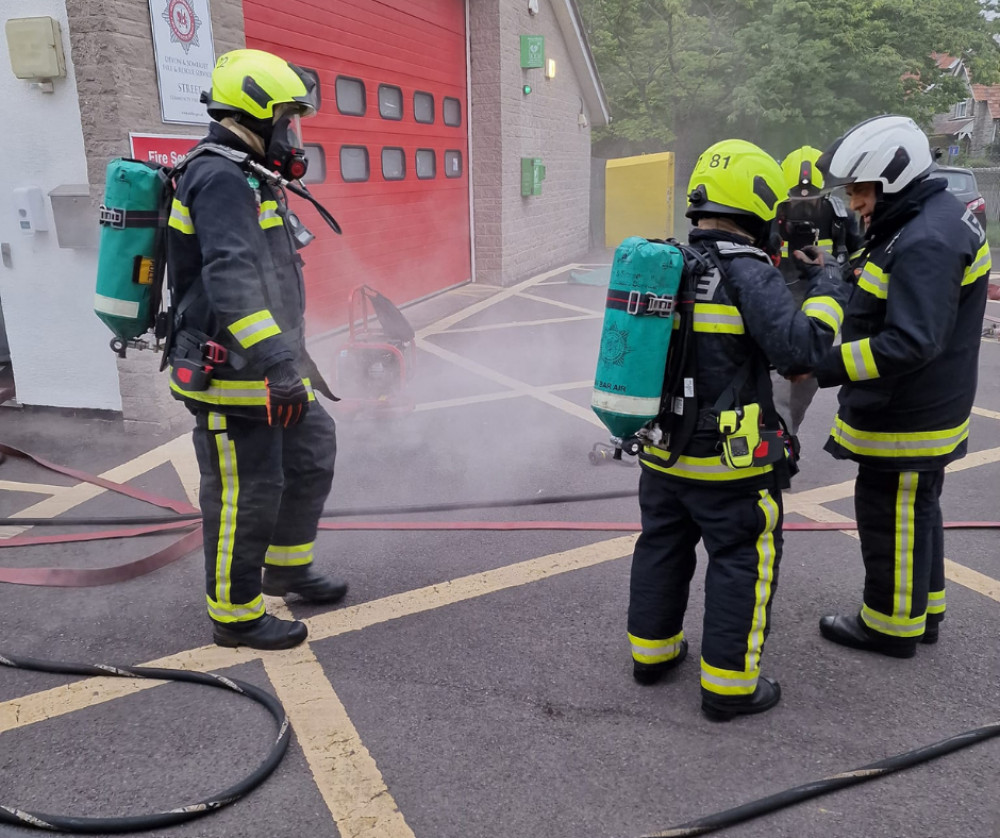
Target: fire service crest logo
{"points": [[183, 23]]}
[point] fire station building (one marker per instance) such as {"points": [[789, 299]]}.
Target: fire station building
{"points": [[453, 145]]}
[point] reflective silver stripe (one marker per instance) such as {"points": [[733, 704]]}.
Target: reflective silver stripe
{"points": [[235, 613], [860, 368], [711, 317], [905, 526], [874, 280], [119, 308], [932, 441], [829, 313], [886, 625], [735, 685], [663, 651], [299, 554]]}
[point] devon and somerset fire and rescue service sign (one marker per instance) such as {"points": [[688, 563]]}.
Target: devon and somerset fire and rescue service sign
{"points": [[185, 56]]}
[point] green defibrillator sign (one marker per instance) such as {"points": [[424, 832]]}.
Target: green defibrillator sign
{"points": [[532, 51], [532, 175]]}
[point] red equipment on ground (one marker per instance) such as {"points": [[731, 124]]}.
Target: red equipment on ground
{"points": [[374, 364]]}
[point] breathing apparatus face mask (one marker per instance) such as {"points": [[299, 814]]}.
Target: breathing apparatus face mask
{"points": [[285, 151]]}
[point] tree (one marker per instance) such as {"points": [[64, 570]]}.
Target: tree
{"points": [[681, 74]]}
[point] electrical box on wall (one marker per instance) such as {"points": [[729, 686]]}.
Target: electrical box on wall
{"points": [[35, 47], [532, 175], [29, 204], [76, 219], [532, 52]]}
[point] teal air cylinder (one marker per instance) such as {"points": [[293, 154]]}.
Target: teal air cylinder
{"points": [[126, 271], [638, 321]]}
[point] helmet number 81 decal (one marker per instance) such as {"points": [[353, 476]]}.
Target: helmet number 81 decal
{"points": [[718, 160]]}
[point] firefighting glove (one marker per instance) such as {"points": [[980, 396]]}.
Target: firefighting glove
{"points": [[287, 397]]}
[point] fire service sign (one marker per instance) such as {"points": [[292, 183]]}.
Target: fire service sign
{"points": [[185, 56]]}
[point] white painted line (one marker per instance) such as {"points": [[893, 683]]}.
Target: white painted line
{"points": [[31, 488], [560, 304], [989, 414], [521, 323], [446, 323], [518, 386]]}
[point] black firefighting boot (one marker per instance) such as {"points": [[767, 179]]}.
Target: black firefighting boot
{"points": [[265, 632], [649, 673], [304, 581], [932, 629], [852, 632], [723, 708]]}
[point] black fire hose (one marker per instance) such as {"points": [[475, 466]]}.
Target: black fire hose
{"points": [[339, 513], [135, 823], [789, 797]]}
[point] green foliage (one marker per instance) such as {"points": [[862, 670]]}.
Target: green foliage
{"points": [[778, 72]]}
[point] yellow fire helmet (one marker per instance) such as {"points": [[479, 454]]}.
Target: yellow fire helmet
{"points": [[734, 177], [802, 177], [253, 82]]}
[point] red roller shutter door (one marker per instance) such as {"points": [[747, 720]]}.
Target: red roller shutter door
{"points": [[408, 236]]}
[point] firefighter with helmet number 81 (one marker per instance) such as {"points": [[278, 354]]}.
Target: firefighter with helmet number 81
{"points": [[808, 217], [265, 446], [719, 474]]}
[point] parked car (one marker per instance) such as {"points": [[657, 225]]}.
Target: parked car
{"points": [[962, 184]]}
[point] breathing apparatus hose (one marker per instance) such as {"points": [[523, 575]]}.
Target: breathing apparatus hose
{"points": [[792, 796], [134, 823]]}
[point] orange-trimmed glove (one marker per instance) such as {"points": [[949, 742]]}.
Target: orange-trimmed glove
{"points": [[287, 397]]}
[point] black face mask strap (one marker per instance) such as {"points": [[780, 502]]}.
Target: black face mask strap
{"points": [[302, 192]]}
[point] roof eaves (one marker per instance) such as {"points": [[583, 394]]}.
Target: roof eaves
{"points": [[571, 23]]}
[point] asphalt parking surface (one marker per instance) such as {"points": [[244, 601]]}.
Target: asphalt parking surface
{"points": [[478, 683]]}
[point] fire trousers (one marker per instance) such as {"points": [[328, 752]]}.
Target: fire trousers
{"points": [[741, 530], [262, 492], [902, 543]]}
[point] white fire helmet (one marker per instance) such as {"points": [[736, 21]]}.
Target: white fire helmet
{"points": [[890, 150]]}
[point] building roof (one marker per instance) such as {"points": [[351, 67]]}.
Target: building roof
{"points": [[944, 62], [571, 23], [944, 125], [990, 94]]}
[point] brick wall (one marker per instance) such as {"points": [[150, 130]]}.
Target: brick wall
{"points": [[516, 237], [112, 46]]}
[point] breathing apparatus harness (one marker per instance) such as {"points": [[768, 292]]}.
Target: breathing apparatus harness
{"points": [[750, 435]]}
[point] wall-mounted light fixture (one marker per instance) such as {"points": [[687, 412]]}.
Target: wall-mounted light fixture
{"points": [[550, 68], [532, 7]]}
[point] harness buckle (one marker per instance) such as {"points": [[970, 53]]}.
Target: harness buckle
{"points": [[634, 304], [112, 217]]}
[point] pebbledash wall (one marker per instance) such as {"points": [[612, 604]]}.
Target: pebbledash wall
{"points": [[60, 350]]}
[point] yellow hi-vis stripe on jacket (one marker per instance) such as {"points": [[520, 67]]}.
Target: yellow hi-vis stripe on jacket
{"points": [[701, 468], [714, 318], [268, 216], [982, 264], [232, 393], [180, 218], [874, 280], [897, 445], [254, 328], [859, 361], [825, 309]]}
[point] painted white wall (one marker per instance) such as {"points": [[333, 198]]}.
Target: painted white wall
{"points": [[59, 349]]}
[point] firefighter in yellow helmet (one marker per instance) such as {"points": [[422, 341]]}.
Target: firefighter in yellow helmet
{"points": [[808, 217], [265, 446], [741, 320]]}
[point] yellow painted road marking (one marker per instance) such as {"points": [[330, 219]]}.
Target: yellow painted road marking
{"points": [[989, 414], [32, 488], [58, 701], [346, 774]]}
